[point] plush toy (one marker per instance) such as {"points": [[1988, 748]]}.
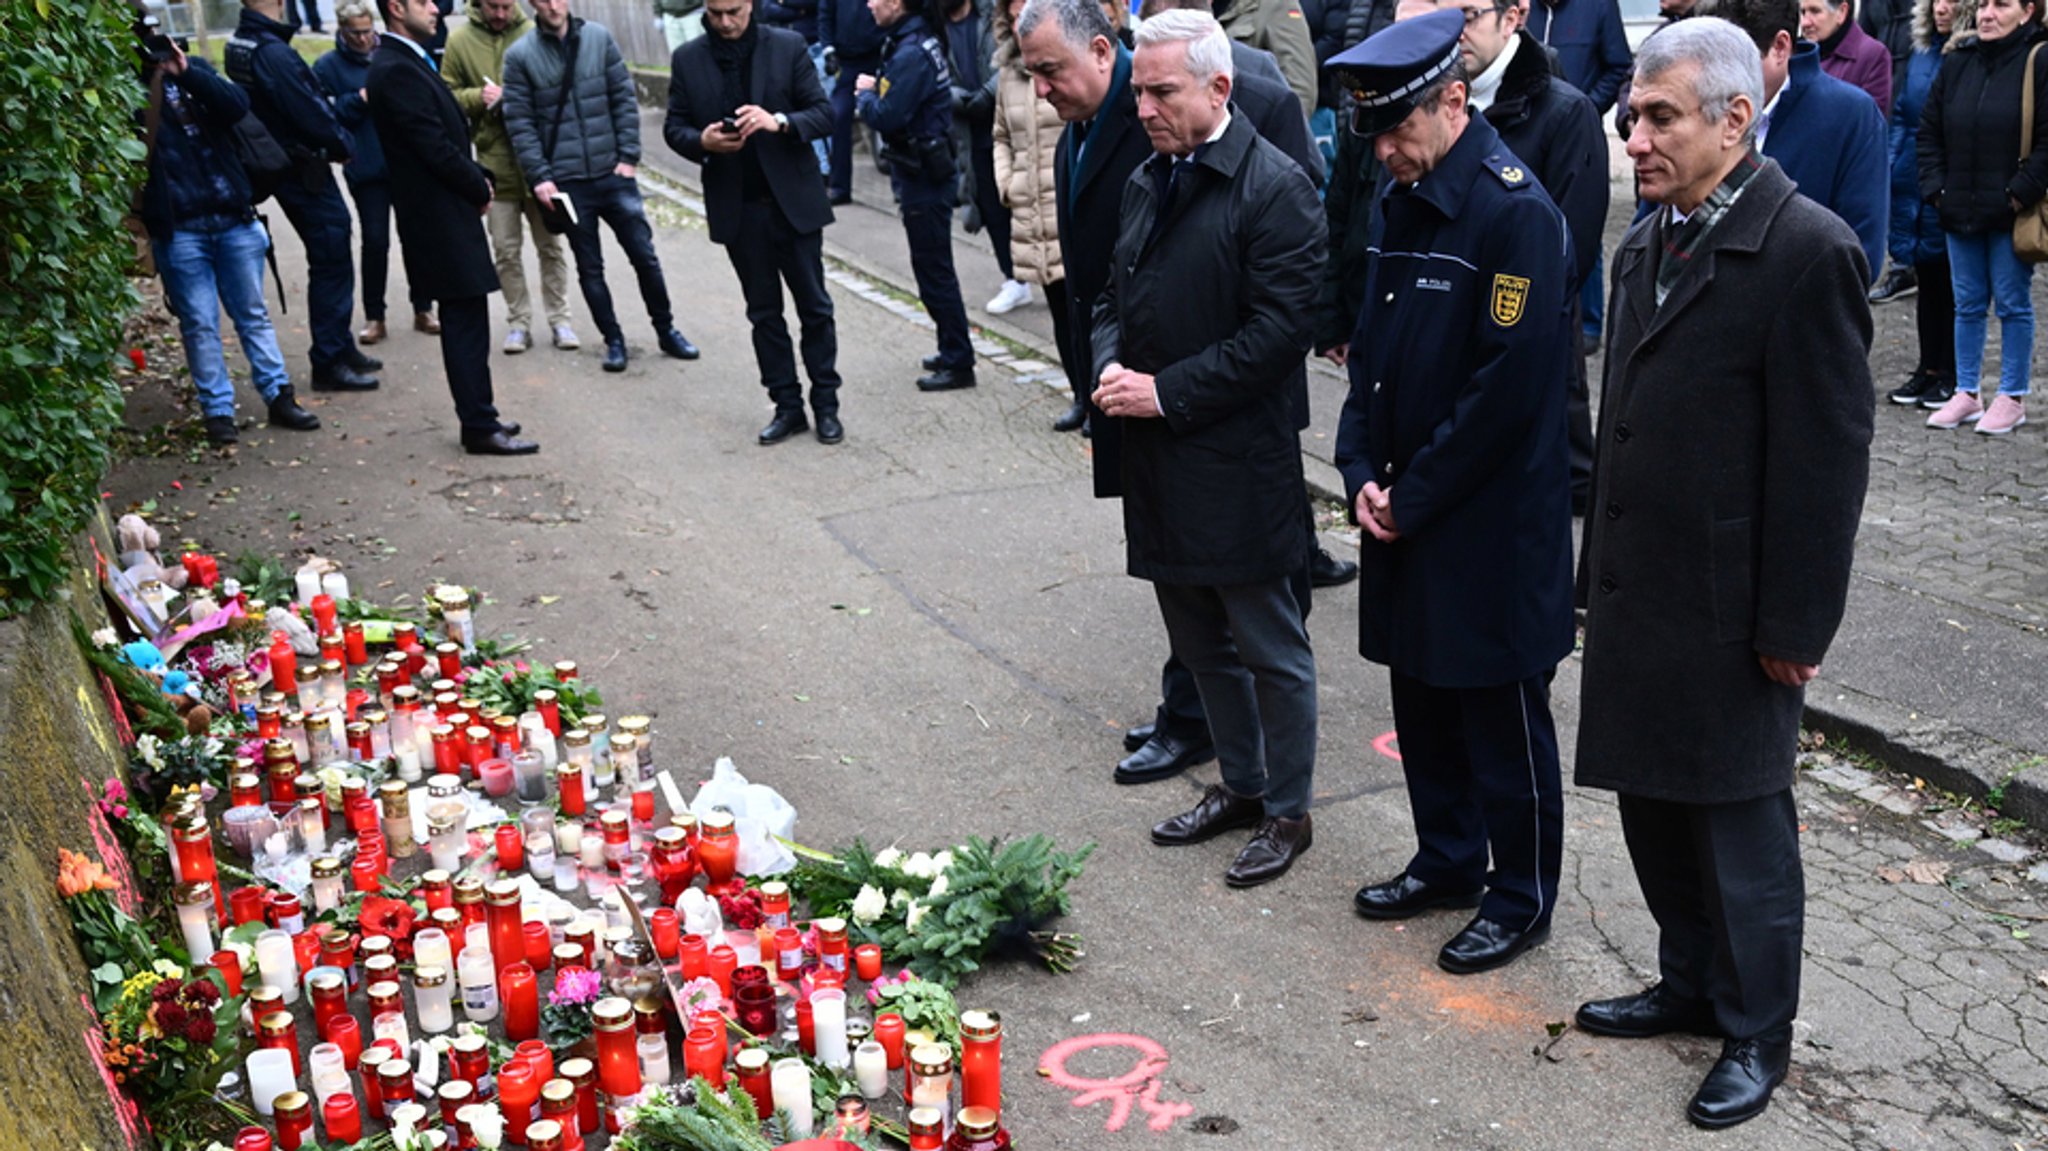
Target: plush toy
{"points": [[139, 542], [180, 686]]}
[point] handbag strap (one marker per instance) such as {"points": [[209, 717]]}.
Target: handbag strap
{"points": [[2027, 106], [572, 46]]}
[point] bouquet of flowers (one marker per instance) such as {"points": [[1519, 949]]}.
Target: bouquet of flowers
{"points": [[164, 766], [167, 1042], [942, 914], [114, 943]]}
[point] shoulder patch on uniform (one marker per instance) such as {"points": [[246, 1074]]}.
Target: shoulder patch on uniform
{"points": [[882, 88], [1509, 173], [1510, 293]]}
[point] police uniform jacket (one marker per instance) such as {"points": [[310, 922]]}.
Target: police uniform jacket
{"points": [[282, 91], [1457, 403], [1714, 537], [912, 100], [1216, 305]]}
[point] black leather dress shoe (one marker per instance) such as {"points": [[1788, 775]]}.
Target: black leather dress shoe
{"points": [[361, 361], [1274, 848], [676, 346], [615, 355], [1139, 736], [1740, 1085], [285, 412], [830, 430], [946, 380], [1163, 756], [341, 378], [1221, 810], [497, 444], [509, 427], [783, 426], [1646, 1014], [1071, 419], [932, 363], [1402, 897], [1326, 570], [1485, 945]]}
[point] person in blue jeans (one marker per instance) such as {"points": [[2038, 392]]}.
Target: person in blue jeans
{"points": [[207, 244]]}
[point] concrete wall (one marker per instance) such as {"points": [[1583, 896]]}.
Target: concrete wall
{"points": [[57, 744]]}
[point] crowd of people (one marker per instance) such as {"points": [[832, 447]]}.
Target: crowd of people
{"points": [[1206, 195]]}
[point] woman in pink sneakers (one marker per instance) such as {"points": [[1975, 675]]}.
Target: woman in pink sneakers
{"points": [[1970, 170]]}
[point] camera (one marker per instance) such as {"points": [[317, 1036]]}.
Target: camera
{"points": [[150, 42]]}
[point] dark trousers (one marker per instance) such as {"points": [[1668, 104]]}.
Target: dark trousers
{"points": [[1481, 766], [1063, 332], [373, 213], [466, 359], [1180, 713], [1251, 659], [1578, 428], [840, 180], [614, 201], [312, 7], [769, 254], [1934, 317], [312, 202], [928, 225], [1724, 883], [988, 199]]}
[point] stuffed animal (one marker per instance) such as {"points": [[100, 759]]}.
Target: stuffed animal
{"points": [[139, 542]]}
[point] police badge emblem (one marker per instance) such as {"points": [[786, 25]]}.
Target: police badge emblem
{"points": [[1510, 293]]}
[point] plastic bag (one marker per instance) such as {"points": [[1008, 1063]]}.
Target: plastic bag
{"points": [[759, 813]]}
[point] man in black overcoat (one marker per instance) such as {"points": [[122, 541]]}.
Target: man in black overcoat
{"points": [[745, 103], [1198, 341], [441, 195], [1734, 450]]}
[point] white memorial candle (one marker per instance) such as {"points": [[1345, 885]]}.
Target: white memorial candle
{"points": [[277, 963], [870, 1067], [828, 1023], [789, 1085], [270, 1075]]}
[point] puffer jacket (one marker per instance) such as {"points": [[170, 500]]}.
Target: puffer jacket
{"points": [[475, 54], [600, 127], [1970, 133], [1027, 139], [1915, 236]]}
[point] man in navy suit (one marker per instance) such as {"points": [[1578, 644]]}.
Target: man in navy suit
{"points": [[441, 196]]}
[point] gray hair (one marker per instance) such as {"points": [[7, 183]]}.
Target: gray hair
{"points": [[1208, 47], [1729, 65], [350, 9], [1080, 21]]}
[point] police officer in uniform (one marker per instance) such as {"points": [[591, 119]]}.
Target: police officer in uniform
{"points": [[910, 105], [1453, 448]]}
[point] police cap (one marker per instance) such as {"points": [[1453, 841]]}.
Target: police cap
{"points": [[1388, 70]]}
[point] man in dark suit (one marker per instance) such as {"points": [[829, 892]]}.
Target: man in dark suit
{"points": [[441, 195], [744, 102], [1452, 445], [1199, 343], [1717, 569]]}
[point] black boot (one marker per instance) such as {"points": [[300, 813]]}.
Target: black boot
{"points": [[285, 412], [615, 355], [1071, 419]]}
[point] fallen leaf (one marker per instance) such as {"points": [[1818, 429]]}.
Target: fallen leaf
{"points": [[549, 599], [801, 698], [1929, 871]]}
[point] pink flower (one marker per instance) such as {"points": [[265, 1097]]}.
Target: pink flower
{"points": [[120, 811], [116, 791], [578, 985]]}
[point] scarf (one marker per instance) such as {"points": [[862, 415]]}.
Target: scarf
{"points": [[1683, 240], [735, 59]]}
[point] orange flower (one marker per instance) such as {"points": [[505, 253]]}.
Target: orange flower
{"points": [[78, 874]]}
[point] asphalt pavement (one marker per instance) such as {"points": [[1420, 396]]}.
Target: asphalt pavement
{"points": [[925, 633]]}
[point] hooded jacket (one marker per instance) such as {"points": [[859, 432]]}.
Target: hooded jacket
{"points": [[476, 54], [600, 126], [1970, 133], [282, 90]]}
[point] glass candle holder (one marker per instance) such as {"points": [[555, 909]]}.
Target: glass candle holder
{"points": [[432, 999], [653, 1054], [828, 1026], [277, 963], [530, 776], [871, 1069], [790, 1085]]}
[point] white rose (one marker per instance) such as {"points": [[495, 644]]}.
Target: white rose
{"points": [[943, 861], [914, 917], [105, 637], [869, 905], [899, 897], [887, 857], [919, 865], [939, 886]]}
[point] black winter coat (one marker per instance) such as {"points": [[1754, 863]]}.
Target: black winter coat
{"points": [[1215, 305], [437, 190], [782, 79], [282, 90], [1555, 127], [1970, 134], [1715, 538]]}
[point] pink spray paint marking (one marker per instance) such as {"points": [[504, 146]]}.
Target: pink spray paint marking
{"points": [[1140, 1082], [125, 1110], [1388, 744]]}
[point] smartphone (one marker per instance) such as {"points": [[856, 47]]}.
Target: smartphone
{"points": [[730, 125]]}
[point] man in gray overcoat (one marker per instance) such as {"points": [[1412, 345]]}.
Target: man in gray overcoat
{"points": [[1733, 454]]}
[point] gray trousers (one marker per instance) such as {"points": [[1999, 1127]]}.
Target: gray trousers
{"points": [[1257, 675]]}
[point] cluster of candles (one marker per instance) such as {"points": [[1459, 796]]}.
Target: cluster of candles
{"points": [[486, 945]]}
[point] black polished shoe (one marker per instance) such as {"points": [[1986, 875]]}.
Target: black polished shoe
{"points": [[1740, 1085], [1071, 419], [932, 363], [615, 355], [497, 444], [221, 431], [341, 378], [830, 431], [285, 412], [841, 199], [783, 426], [675, 346], [509, 427], [1219, 811], [1140, 735], [1485, 945], [1326, 570], [361, 361], [1646, 1014], [1274, 848], [946, 380], [1163, 757], [1402, 897]]}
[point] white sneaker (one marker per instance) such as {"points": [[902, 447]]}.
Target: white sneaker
{"points": [[517, 341], [565, 338], [1015, 294]]}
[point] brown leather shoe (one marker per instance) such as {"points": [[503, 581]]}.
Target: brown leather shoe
{"points": [[1273, 849], [372, 333], [1221, 810], [426, 322]]}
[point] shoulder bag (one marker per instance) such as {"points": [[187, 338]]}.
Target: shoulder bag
{"points": [[2030, 227]]}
